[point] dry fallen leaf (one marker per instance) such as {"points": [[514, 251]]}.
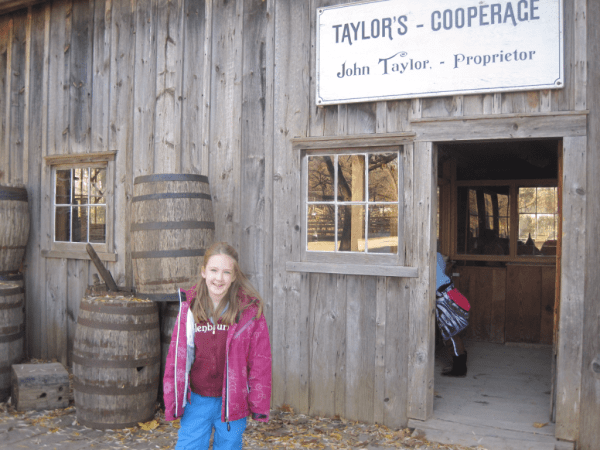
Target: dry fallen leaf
{"points": [[148, 426], [540, 425]]}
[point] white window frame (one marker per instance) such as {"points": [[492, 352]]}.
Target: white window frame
{"points": [[77, 250]]}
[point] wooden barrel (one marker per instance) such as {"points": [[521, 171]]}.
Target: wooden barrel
{"points": [[172, 226], [14, 227], [12, 332], [12, 277], [168, 319], [116, 361]]}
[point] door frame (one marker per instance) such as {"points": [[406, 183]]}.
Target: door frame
{"points": [[571, 127]]}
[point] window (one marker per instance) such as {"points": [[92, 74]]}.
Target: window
{"points": [[80, 205], [80, 212], [352, 202], [538, 216], [483, 220], [511, 219]]}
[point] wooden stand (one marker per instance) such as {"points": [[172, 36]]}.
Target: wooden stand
{"points": [[40, 386]]}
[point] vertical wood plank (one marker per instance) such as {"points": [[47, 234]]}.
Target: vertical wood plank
{"points": [[547, 304], [396, 352], [192, 37], [225, 128], [77, 279], [144, 111], [58, 143], [17, 96], [360, 347], [120, 135], [100, 75], [207, 84], [379, 390], [169, 79], [570, 334], [290, 333], [46, 182], [80, 78], [327, 330], [523, 308], [421, 310], [269, 130], [7, 26], [589, 432], [253, 126], [37, 103]]}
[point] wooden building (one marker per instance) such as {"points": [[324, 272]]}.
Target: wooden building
{"points": [[226, 89]]}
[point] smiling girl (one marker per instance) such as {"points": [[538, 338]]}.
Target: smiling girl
{"points": [[218, 369]]}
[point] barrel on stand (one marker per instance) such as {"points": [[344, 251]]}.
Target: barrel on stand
{"points": [[116, 361], [14, 227], [12, 331], [172, 226]]}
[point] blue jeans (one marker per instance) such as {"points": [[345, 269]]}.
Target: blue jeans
{"points": [[200, 416]]}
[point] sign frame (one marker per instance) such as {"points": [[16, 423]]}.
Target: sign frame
{"points": [[323, 83]]}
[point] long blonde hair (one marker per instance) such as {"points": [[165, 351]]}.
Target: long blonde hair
{"points": [[202, 305]]}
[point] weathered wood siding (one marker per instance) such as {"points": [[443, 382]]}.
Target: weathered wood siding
{"points": [[219, 88]]}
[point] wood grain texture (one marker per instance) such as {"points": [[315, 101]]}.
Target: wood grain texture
{"points": [[37, 387], [121, 138], [192, 38], [144, 96], [421, 309], [569, 352], [254, 123], [290, 307], [169, 86], [226, 116], [589, 432]]}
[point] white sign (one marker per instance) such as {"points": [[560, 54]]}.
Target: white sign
{"points": [[393, 49]]}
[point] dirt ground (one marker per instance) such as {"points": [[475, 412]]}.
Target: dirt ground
{"points": [[59, 429]]}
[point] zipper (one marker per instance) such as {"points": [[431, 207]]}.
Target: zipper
{"points": [[243, 328]]}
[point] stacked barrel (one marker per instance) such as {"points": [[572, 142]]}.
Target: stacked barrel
{"points": [[14, 233]]}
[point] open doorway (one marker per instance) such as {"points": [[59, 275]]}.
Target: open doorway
{"points": [[498, 225]]}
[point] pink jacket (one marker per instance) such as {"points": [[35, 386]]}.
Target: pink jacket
{"points": [[247, 382]]}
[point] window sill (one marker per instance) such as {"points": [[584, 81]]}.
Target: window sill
{"points": [[353, 269], [68, 254]]}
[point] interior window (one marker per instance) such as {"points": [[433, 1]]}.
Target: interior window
{"points": [[352, 202], [483, 220], [538, 215]]}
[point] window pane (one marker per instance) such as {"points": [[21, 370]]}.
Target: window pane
{"points": [[546, 200], [527, 200], [483, 218], [320, 178], [321, 228], [62, 222], [63, 187], [97, 223], [351, 228], [383, 229], [538, 223], [79, 224], [383, 177], [351, 178], [97, 186], [80, 183]]}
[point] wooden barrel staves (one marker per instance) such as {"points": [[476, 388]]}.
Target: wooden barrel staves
{"points": [[172, 227], [116, 361], [14, 227], [12, 331]]}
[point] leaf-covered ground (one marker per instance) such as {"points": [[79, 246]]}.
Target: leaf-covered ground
{"points": [[58, 429]]}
